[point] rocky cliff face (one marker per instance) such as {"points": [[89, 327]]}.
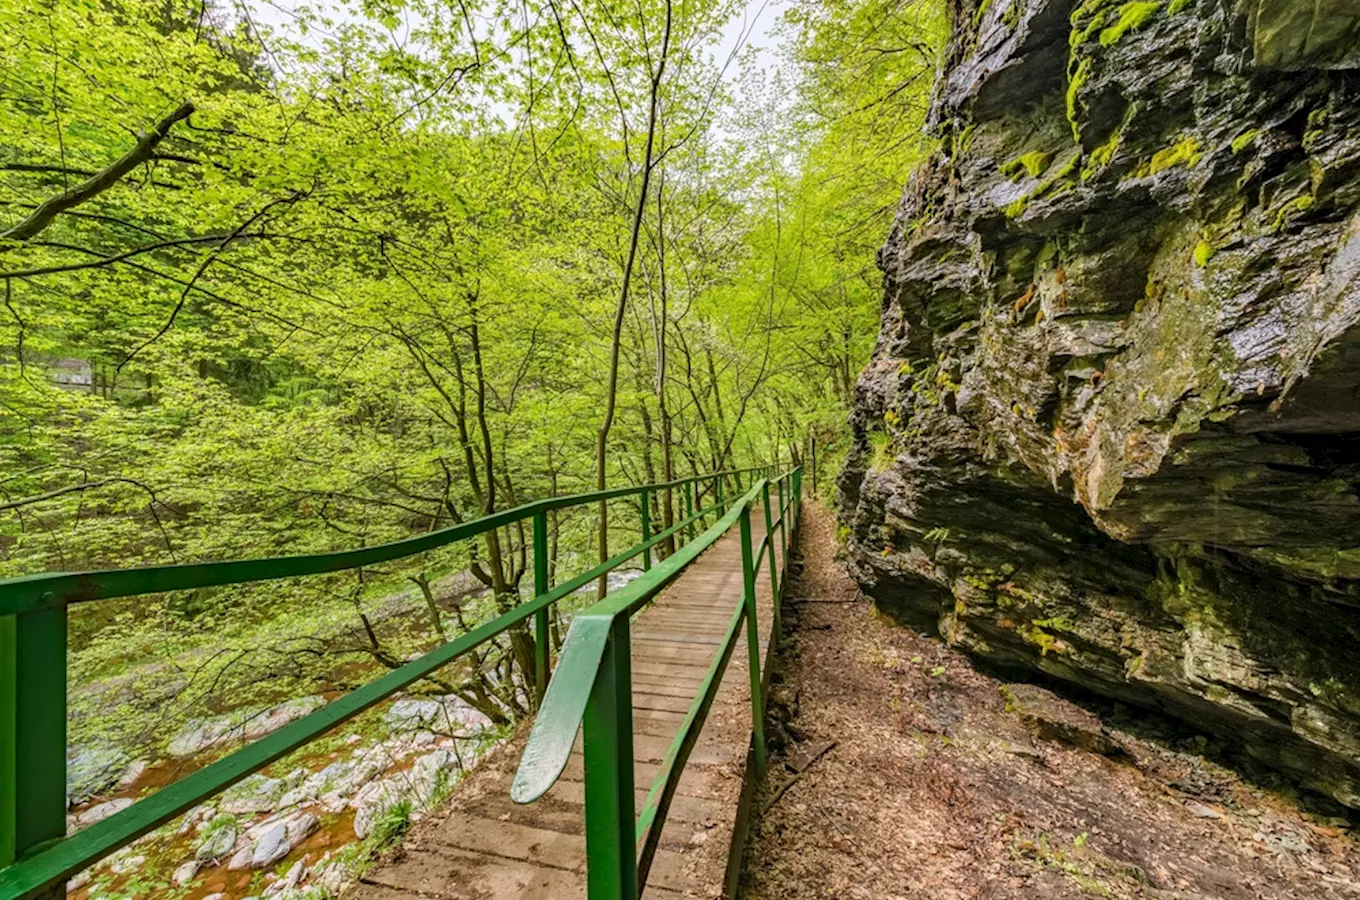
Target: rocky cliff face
{"points": [[1111, 429]]}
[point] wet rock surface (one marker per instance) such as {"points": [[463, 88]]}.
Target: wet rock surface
{"points": [[1111, 429]]}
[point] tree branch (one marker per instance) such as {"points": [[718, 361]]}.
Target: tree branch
{"points": [[49, 209]]}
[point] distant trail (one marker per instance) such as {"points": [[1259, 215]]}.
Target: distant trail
{"points": [[934, 789]]}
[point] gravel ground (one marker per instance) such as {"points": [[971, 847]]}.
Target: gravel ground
{"points": [[944, 783]]}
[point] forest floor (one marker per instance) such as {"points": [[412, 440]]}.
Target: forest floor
{"points": [[942, 782]]}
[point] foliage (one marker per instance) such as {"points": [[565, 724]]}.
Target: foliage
{"points": [[356, 281]]}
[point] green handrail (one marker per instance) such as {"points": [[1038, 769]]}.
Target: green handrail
{"points": [[591, 690], [35, 853]]}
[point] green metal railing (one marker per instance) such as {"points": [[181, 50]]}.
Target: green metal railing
{"points": [[591, 689], [36, 856]]}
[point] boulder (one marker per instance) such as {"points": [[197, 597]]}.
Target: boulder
{"points": [[429, 772], [133, 773], [241, 859], [373, 802], [300, 826]]}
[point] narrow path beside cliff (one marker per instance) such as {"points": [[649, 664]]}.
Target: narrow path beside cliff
{"points": [[945, 783]]}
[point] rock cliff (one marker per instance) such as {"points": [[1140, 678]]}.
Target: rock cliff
{"points": [[1111, 428]]}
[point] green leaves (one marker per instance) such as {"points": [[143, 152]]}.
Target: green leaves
{"points": [[368, 286]]}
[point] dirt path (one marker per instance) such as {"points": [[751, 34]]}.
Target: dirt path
{"points": [[944, 783]]}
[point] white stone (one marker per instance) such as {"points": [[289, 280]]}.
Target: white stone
{"points": [[241, 859], [103, 811], [373, 802], [254, 794], [200, 734], [185, 873], [91, 771], [300, 826], [271, 848], [218, 842], [133, 774]]}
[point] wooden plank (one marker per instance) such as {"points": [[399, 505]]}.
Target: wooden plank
{"points": [[488, 847]]}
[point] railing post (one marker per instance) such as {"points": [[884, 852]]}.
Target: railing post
{"points": [[32, 731], [718, 492], [646, 529], [783, 531], [775, 591], [690, 506], [607, 729], [541, 641], [748, 573]]}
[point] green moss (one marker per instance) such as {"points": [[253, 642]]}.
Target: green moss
{"points": [[1292, 210], [1243, 140], [1036, 162], [981, 12], [966, 138], [1185, 152], [1017, 208], [1100, 157], [1043, 640], [1176, 6], [1057, 623], [882, 448], [1132, 16], [1204, 251], [1076, 77]]}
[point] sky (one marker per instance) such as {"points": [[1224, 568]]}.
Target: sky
{"points": [[750, 29]]}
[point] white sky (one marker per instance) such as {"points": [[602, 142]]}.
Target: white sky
{"points": [[749, 30]]}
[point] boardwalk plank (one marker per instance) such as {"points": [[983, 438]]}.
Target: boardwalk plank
{"points": [[485, 846]]}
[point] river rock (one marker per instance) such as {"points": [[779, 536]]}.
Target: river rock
{"points": [[200, 734], [133, 773], [428, 771], [330, 877], [257, 793], [373, 802], [218, 839], [185, 873], [300, 826], [410, 714], [102, 811], [271, 847], [241, 859], [1110, 431], [91, 771]]}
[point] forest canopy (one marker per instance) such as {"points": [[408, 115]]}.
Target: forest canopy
{"points": [[285, 278]]}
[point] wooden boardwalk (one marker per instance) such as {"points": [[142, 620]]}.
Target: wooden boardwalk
{"points": [[483, 846]]}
